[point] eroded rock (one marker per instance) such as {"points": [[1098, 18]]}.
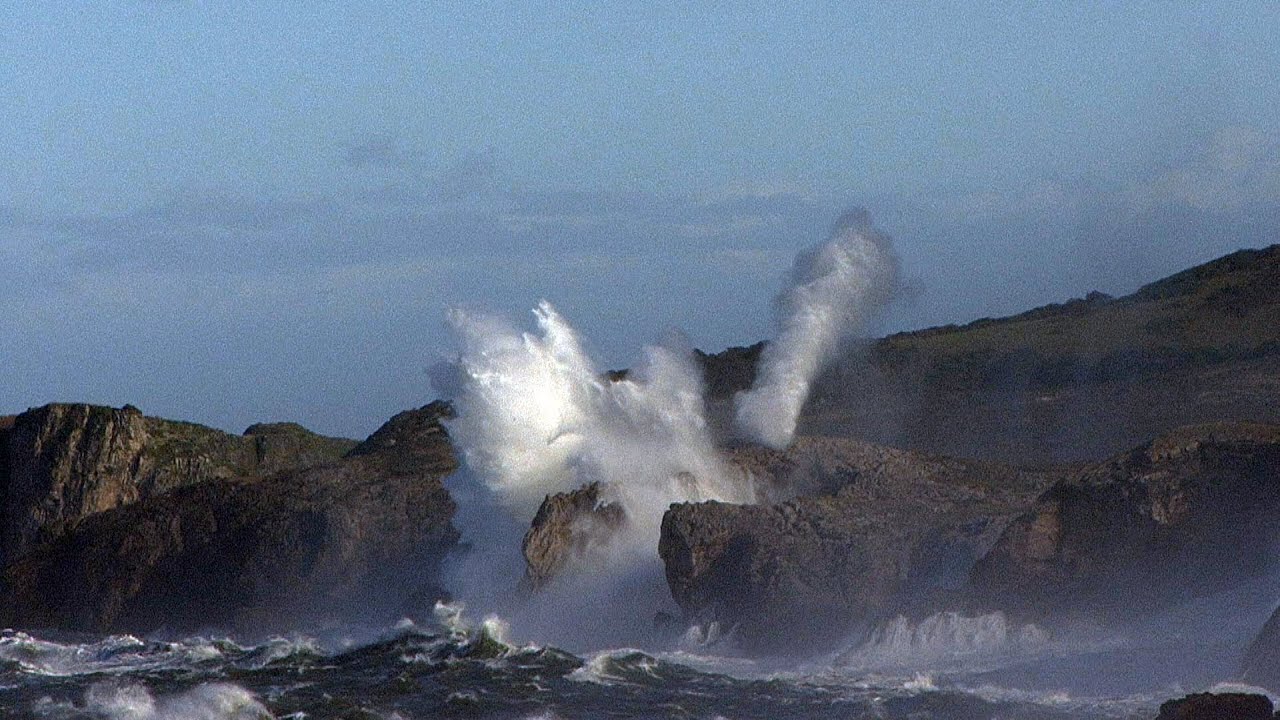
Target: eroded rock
{"points": [[1188, 514], [570, 529], [867, 526]]}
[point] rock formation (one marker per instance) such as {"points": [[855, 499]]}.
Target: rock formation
{"points": [[65, 462], [1188, 514], [867, 526], [181, 533], [570, 528]]}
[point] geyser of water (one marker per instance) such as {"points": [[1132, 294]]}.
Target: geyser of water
{"points": [[832, 293], [535, 416]]}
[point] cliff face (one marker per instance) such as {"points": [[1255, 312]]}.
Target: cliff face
{"points": [[176, 526], [867, 528], [65, 462], [1185, 515]]}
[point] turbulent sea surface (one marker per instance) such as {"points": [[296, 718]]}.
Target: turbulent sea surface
{"points": [[448, 671]]}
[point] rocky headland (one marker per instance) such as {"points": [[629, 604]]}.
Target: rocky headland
{"points": [[119, 522]]}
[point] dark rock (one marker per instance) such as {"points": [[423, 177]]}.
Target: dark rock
{"points": [[1186, 515], [281, 447], [872, 525], [1217, 706], [65, 462], [569, 529], [347, 539]]}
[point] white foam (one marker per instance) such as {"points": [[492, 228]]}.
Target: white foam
{"points": [[113, 654], [943, 639], [209, 701]]}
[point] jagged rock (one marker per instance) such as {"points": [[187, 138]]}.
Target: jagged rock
{"points": [[871, 525], [568, 528], [1185, 515], [65, 462], [348, 538], [1217, 706]]}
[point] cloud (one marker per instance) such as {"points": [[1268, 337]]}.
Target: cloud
{"points": [[383, 152]]}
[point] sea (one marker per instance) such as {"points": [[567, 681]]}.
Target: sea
{"points": [[947, 667]]}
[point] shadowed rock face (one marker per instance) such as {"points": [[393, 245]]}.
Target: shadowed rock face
{"points": [[568, 530], [347, 538], [871, 526], [1186, 515]]}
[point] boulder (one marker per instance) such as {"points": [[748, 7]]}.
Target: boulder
{"points": [[1190, 513], [865, 528], [569, 530]]}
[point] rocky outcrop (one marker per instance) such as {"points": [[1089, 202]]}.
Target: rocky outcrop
{"points": [[347, 538], [1217, 706], [866, 528], [1188, 514], [570, 529], [65, 462]]}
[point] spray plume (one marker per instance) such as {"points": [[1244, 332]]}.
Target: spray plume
{"points": [[535, 416], [832, 293]]}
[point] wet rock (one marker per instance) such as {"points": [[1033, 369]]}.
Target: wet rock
{"points": [[866, 526], [1191, 513], [569, 529], [1217, 706]]}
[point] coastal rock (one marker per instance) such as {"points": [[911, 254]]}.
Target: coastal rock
{"points": [[65, 462], [1185, 515], [349, 538], [865, 526], [569, 529], [1217, 706]]}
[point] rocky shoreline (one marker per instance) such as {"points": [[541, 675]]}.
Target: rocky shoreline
{"points": [[980, 495]]}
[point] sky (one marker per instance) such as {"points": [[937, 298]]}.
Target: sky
{"points": [[236, 212]]}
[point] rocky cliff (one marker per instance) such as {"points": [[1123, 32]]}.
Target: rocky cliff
{"points": [[65, 462], [867, 529], [136, 524], [1190, 513]]}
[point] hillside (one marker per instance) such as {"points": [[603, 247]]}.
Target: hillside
{"points": [[1062, 383]]}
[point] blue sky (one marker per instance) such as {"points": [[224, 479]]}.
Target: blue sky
{"points": [[232, 212]]}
